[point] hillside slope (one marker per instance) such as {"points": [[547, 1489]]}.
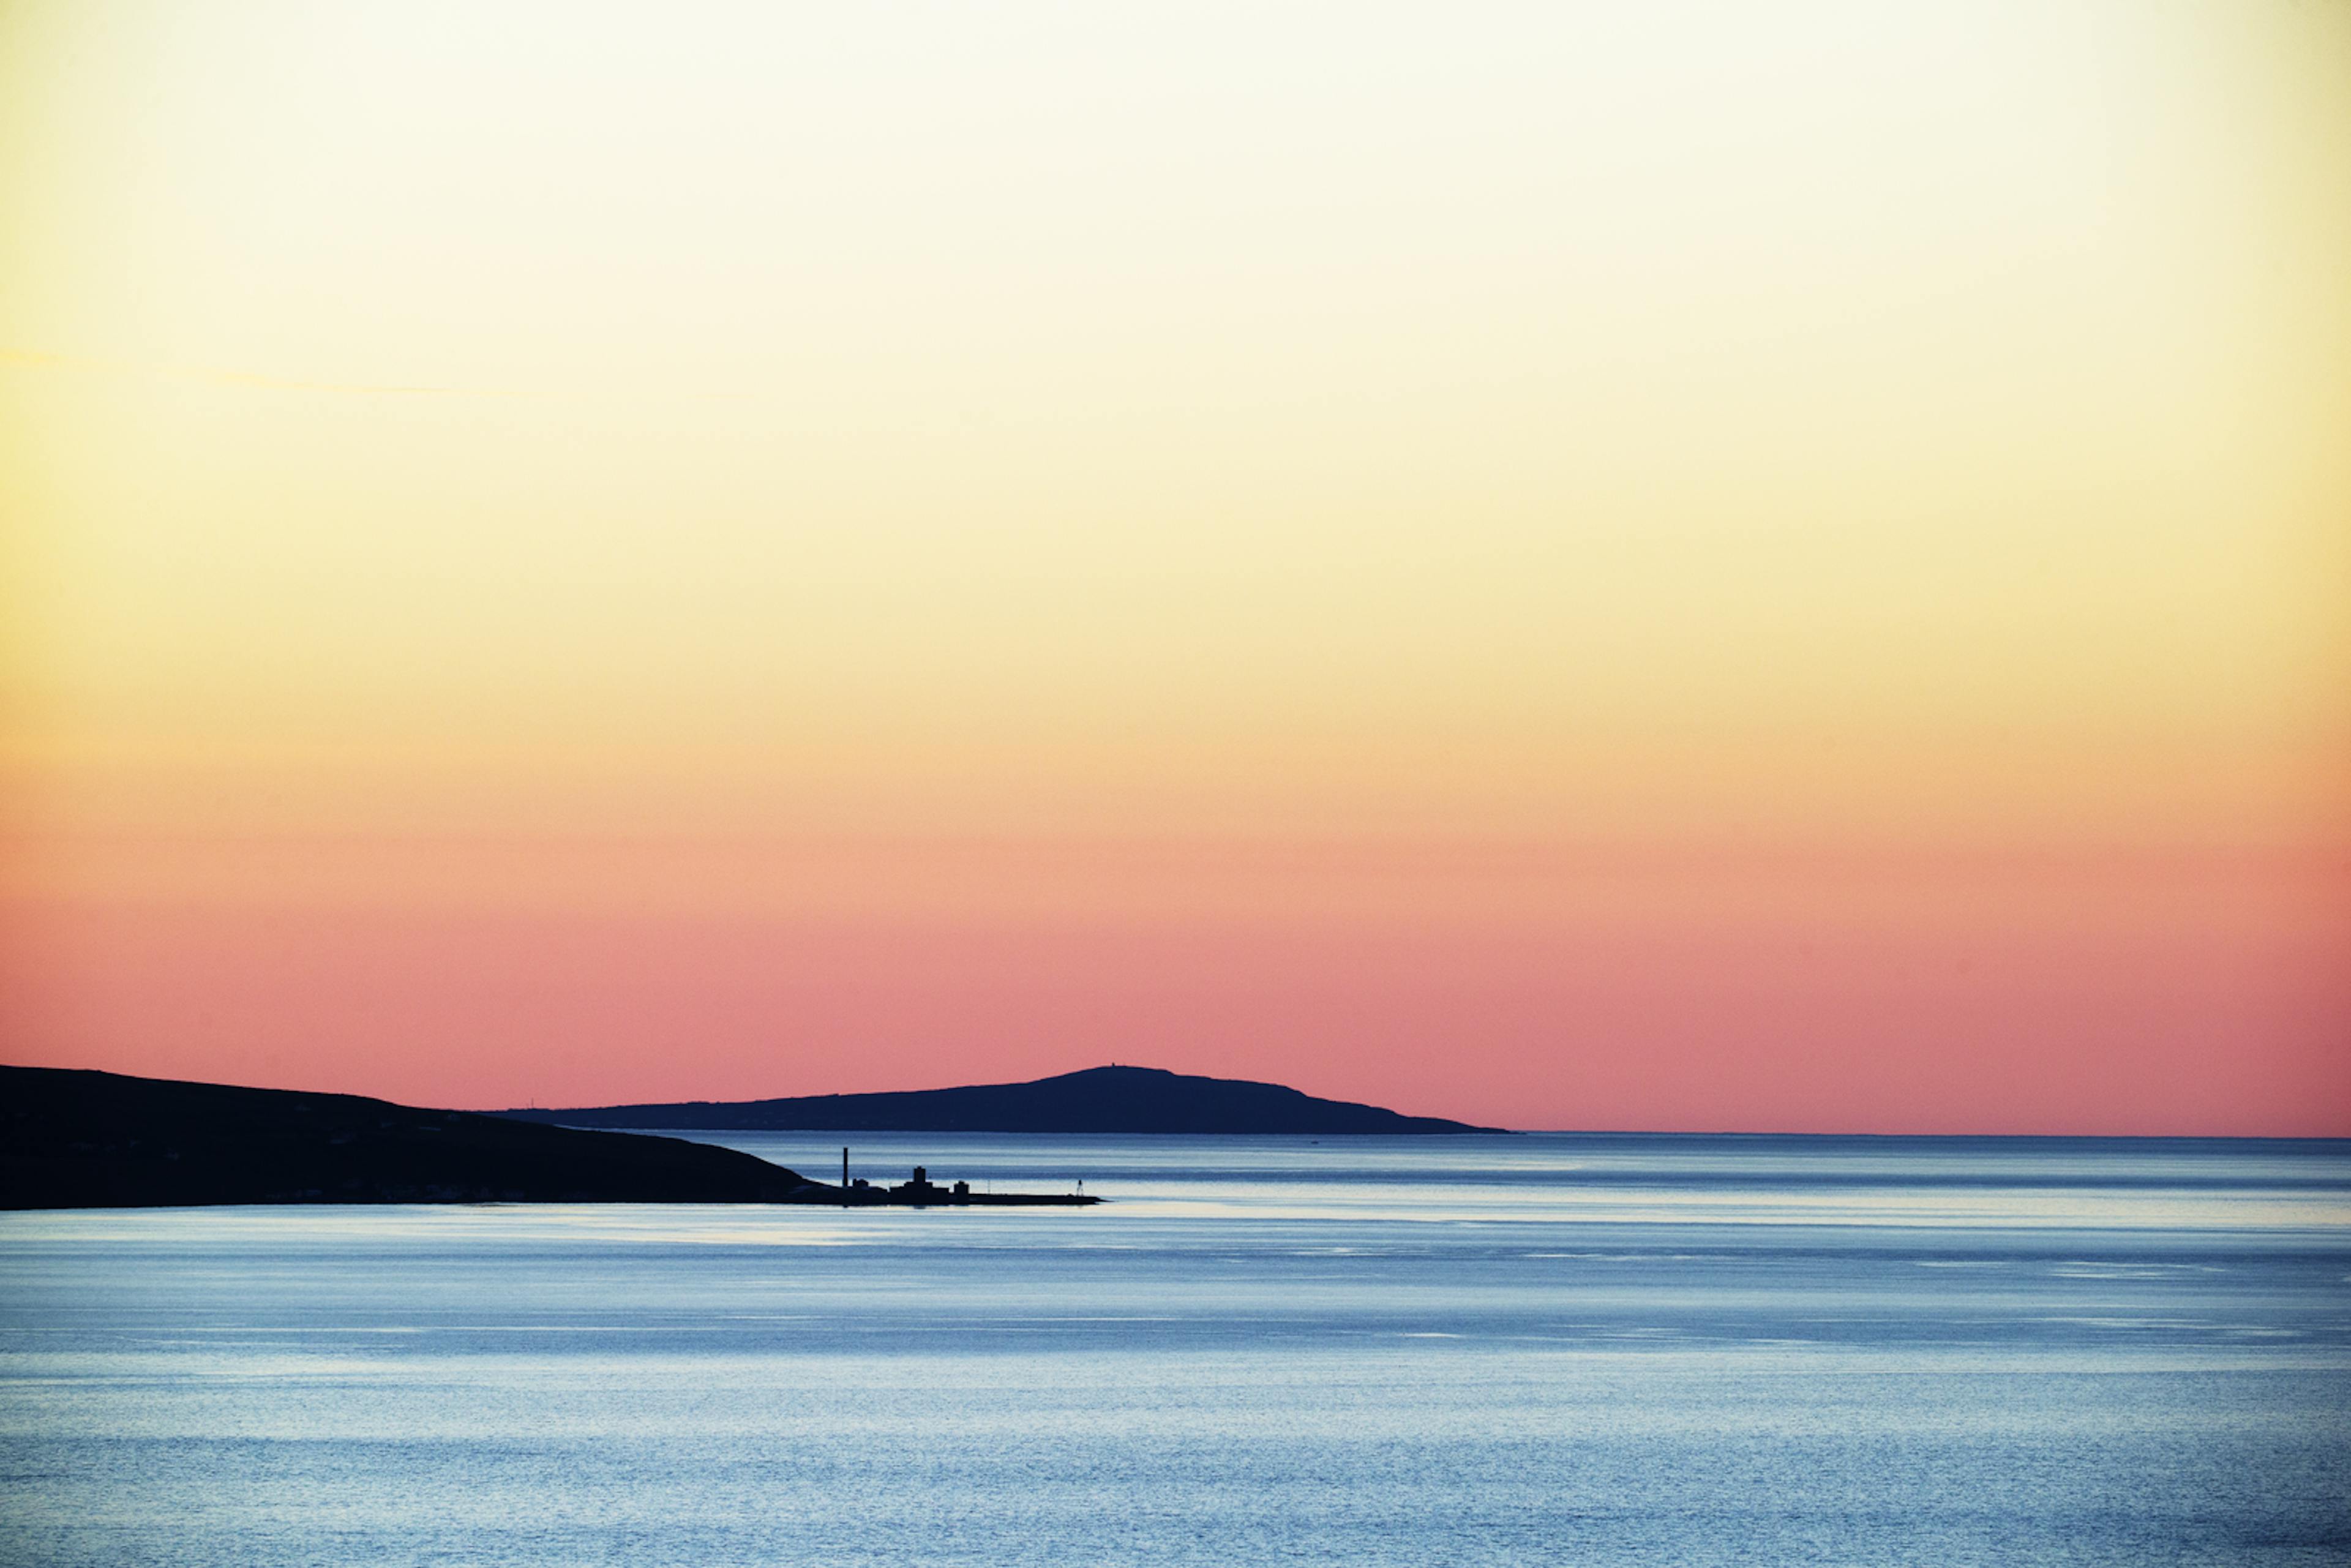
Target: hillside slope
{"points": [[1098, 1100], [74, 1139]]}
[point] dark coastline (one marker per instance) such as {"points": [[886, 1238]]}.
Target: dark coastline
{"points": [[74, 1139], [1097, 1100]]}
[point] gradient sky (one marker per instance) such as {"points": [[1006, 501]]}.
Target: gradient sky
{"points": [[1670, 566]]}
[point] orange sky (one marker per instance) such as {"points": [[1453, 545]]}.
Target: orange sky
{"points": [[1689, 566]]}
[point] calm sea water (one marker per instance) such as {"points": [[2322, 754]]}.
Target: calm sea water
{"points": [[1527, 1350]]}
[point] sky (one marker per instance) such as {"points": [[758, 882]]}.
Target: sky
{"points": [[1696, 566]]}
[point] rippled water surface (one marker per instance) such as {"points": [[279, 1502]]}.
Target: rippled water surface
{"points": [[1544, 1349]]}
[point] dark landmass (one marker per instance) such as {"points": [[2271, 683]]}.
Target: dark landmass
{"points": [[1099, 1100], [99, 1140]]}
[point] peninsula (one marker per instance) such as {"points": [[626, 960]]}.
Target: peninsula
{"points": [[73, 1139], [1098, 1100]]}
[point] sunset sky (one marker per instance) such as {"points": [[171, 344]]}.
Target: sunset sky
{"points": [[1701, 567]]}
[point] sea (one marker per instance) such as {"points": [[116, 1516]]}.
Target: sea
{"points": [[1529, 1349]]}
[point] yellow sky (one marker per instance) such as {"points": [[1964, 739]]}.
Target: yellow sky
{"points": [[1186, 372]]}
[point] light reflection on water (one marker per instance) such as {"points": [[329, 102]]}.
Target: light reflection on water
{"points": [[1410, 1351]]}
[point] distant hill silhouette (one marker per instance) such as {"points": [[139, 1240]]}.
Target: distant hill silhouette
{"points": [[99, 1140], [1098, 1100]]}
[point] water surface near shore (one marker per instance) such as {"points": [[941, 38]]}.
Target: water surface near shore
{"points": [[1547, 1348]]}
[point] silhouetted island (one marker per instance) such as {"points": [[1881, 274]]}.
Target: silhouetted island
{"points": [[1098, 1100], [72, 1139]]}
